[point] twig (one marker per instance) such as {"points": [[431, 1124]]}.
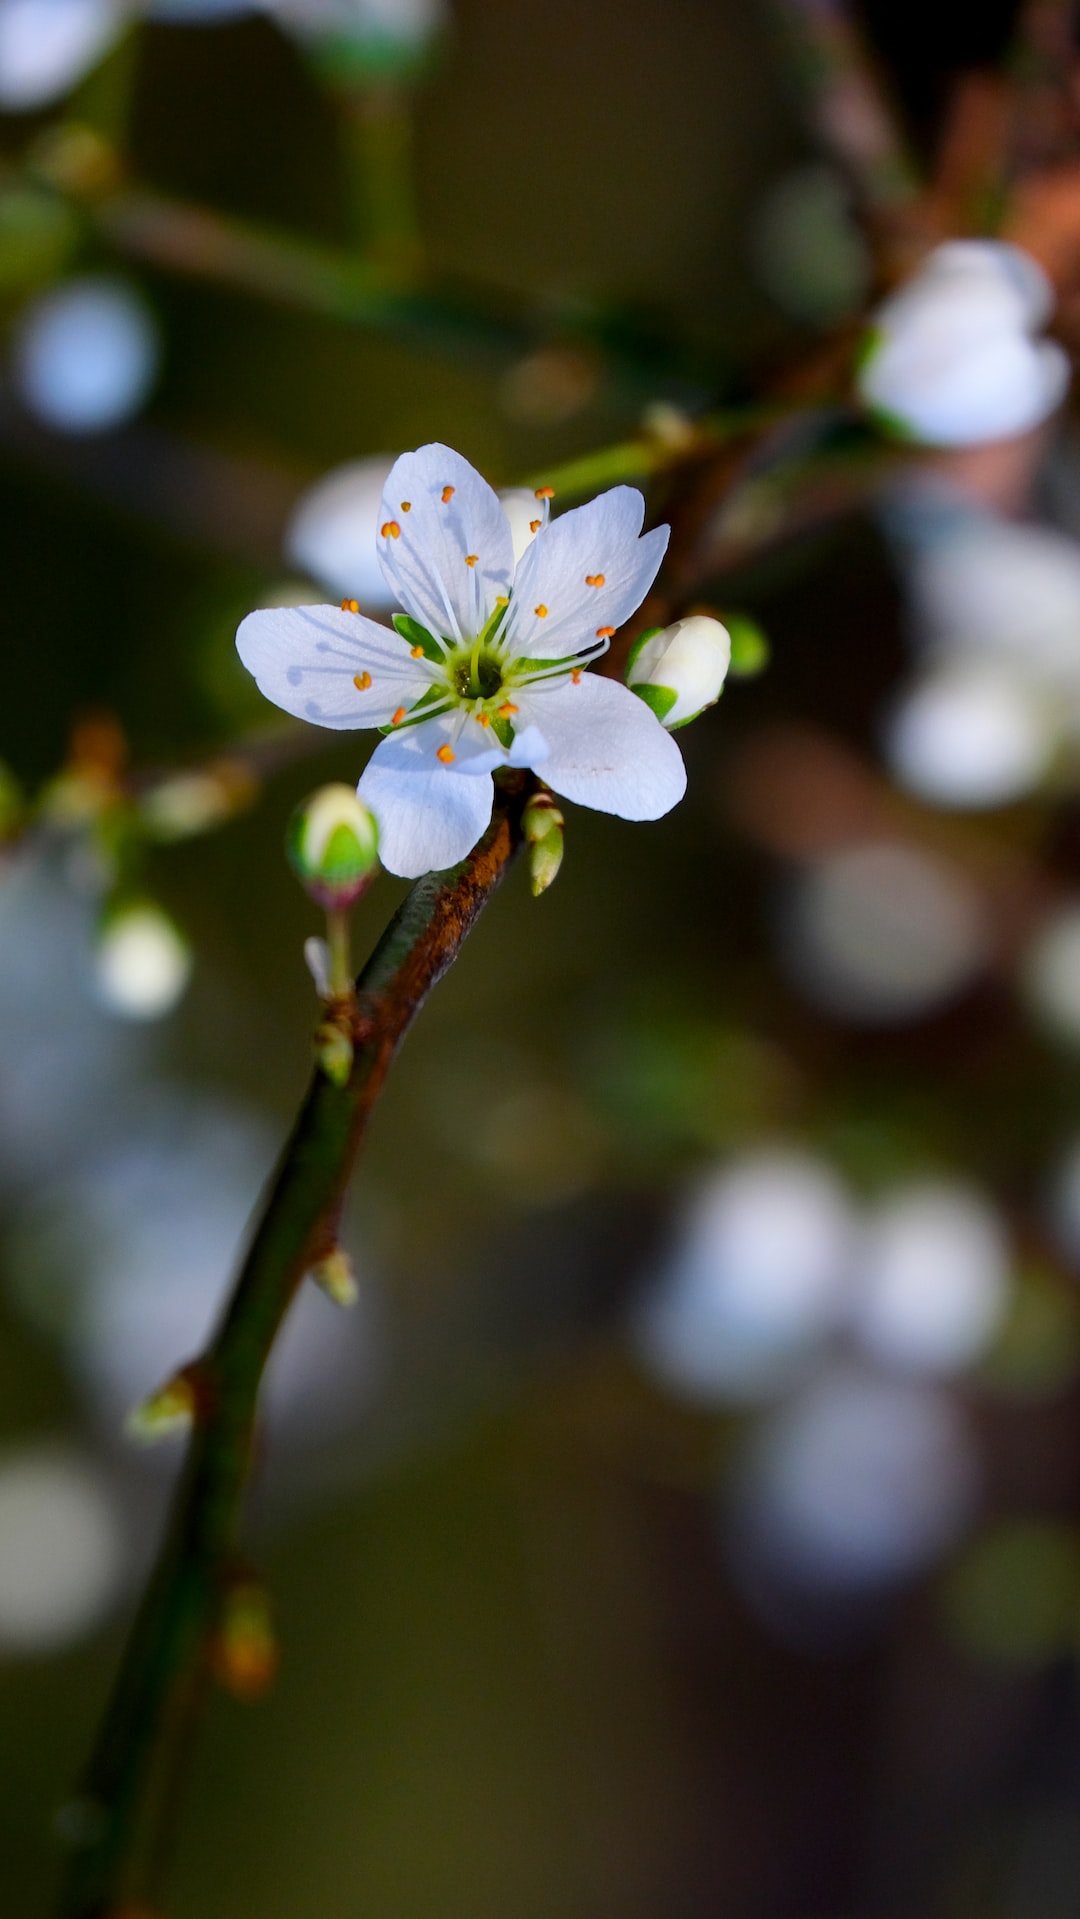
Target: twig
{"points": [[132, 1782]]}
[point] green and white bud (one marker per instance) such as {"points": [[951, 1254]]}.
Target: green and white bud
{"points": [[543, 826], [334, 1052], [332, 844], [171, 1409], [680, 670], [336, 1277]]}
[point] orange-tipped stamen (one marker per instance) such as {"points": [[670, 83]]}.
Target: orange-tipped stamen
{"points": [[396, 718], [604, 632], [446, 754], [471, 559], [390, 530], [506, 709], [540, 611], [417, 652], [535, 525], [448, 494], [576, 676], [594, 579], [406, 506], [361, 681], [545, 492], [350, 606]]}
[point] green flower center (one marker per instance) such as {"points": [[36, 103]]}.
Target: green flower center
{"points": [[475, 673]]}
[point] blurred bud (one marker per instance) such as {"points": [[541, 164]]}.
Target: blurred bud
{"points": [[750, 650], [191, 803], [543, 826], [244, 1651], [334, 1052], [171, 1409], [76, 159], [317, 961], [38, 230], [332, 532], [332, 843], [86, 355], [336, 1277], [953, 359], [142, 963], [680, 670]]}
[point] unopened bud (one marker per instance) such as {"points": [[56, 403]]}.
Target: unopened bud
{"points": [[332, 845], [543, 827], [171, 1409], [750, 650], [680, 670], [244, 1650], [336, 1277], [334, 1052], [142, 963]]}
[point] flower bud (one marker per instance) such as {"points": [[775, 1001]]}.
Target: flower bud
{"points": [[332, 845], [142, 962], [244, 1650], [334, 1052], [543, 827], [171, 1409], [336, 1277], [680, 670]]}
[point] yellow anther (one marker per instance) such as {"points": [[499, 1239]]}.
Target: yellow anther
{"points": [[506, 709], [447, 495], [361, 681], [390, 530], [350, 606], [545, 492], [417, 652], [540, 611], [471, 559], [446, 754], [604, 632], [503, 599], [535, 525], [576, 676], [396, 718], [406, 506], [482, 719], [594, 579]]}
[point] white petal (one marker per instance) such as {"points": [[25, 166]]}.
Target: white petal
{"points": [[526, 515], [307, 660], [594, 542], [429, 815], [425, 561], [528, 748], [47, 45], [333, 532], [606, 749]]}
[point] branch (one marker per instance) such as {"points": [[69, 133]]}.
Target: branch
{"points": [[132, 1783]]}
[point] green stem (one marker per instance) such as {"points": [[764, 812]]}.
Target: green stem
{"points": [[337, 940], [133, 1780], [379, 134]]}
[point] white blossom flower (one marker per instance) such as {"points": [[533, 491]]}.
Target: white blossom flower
{"points": [[86, 354], [486, 666], [46, 46], [680, 671], [954, 359]]}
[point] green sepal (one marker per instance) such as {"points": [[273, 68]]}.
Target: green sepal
{"points": [[503, 731], [642, 640], [661, 699], [416, 635]]}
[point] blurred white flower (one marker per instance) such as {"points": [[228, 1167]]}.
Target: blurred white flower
{"points": [[932, 1281], [142, 962], [46, 46], [132, 1255], [333, 532], [953, 359], [881, 932], [86, 355], [854, 1485], [1050, 973], [374, 30], [63, 1556], [970, 736], [756, 1279], [986, 590]]}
